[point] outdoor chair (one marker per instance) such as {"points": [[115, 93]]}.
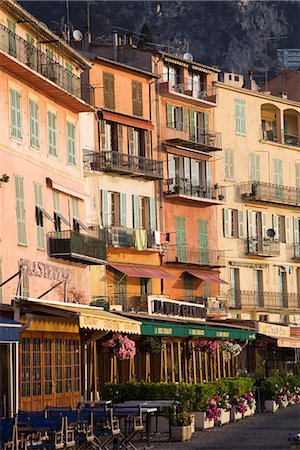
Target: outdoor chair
{"points": [[133, 424], [7, 434], [43, 433], [105, 427]]}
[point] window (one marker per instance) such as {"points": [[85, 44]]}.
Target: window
{"points": [[40, 213], [180, 238], [235, 287], [254, 167], [71, 143], [12, 44], [58, 217], [188, 283], [258, 287], [77, 223], [30, 50], [297, 176], [137, 98], [263, 317], [34, 123], [176, 117], [203, 241], [171, 74], [229, 173], [281, 226], [233, 223], [15, 114], [20, 209], [257, 224], [146, 286], [240, 120], [113, 208], [25, 286], [109, 90], [52, 150], [144, 212]]}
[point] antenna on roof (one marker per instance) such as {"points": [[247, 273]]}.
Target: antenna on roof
{"points": [[77, 35]]}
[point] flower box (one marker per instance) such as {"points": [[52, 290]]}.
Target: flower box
{"points": [[270, 406], [284, 404], [181, 433], [248, 412], [224, 417], [235, 415], [201, 422], [193, 425]]}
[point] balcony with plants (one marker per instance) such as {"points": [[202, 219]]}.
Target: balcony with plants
{"points": [[36, 68], [123, 163], [271, 193], [196, 93], [77, 247], [274, 130], [206, 192]]}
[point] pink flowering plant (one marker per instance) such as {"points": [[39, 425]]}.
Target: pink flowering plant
{"points": [[250, 400], [120, 346], [213, 410], [241, 405], [206, 345]]}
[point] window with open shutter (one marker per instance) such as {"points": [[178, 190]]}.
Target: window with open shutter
{"points": [[203, 241], [137, 98], [20, 210], [34, 123], [130, 135], [148, 146], [152, 203], [169, 112], [15, 114], [136, 211], [241, 233], [123, 216], [39, 216], [12, 44], [109, 90], [52, 149], [180, 238], [71, 143]]}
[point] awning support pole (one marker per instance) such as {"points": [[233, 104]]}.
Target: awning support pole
{"points": [[49, 290], [10, 278]]}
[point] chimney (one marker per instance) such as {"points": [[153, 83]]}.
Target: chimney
{"points": [[115, 46], [251, 84], [129, 39]]}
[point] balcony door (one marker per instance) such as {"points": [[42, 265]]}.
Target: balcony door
{"points": [[258, 287], [235, 287], [180, 238], [282, 287]]}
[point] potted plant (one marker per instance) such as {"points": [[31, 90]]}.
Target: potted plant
{"points": [[151, 345], [120, 346], [181, 429], [225, 408], [206, 419]]}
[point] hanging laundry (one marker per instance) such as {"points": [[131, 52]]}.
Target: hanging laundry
{"points": [[157, 237], [140, 239]]}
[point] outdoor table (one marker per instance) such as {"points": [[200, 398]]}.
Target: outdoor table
{"points": [[95, 403], [146, 409]]}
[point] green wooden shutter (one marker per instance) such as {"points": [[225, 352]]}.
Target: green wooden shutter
{"points": [[34, 123], [192, 125], [12, 44], [206, 122], [238, 113], [152, 202], [276, 226], [136, 212], [171, 167], [169, 116], [52, 133], [180, 238], [278, 172], [296, 230], [71, 143], [39, 217], [15, 114], [264, 224], [69, 77], [20, 211], [254, 168], [241, 224], [123, 218], [226, 222], [188, 287], [203, 241], [130, 133], [287, 230], [242, 117], [250, 224], [104, 208], [208, 174], [184, 119]]}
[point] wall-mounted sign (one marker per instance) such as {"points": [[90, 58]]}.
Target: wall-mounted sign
{"points": [[248, 264], [272, 330], [39, 269], [159, 306]]}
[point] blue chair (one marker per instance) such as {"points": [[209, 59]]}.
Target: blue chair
{"points": [[7, 434], [133, 424], [105, 428], [52, 429]]}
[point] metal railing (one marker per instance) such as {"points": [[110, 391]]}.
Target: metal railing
{"points": [[71, 245], [112, 161], [262, 299], [291, 139], [199, 137], [280, 136], [269, 135], [122, 237], [186, 254], [268, 192], [199, 190], [34, 58], [262, 247], [297, 251], [130, 302], [186, 86]]}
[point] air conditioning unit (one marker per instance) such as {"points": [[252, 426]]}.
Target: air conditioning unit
{"points": [[118, 308]]}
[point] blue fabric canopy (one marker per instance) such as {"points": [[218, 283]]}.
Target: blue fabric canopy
{"points": [[9, 330]]}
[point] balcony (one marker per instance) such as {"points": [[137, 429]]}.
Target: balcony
{"points": [[207, 193], [280, 136], [199, 95], [175, 134], [132, 302], [81, 248], [123, 163], [37, 69], [296, 252], [291, 139], [271, 193], [262, 300], [262, 247], [121, 237], [190, 255]]}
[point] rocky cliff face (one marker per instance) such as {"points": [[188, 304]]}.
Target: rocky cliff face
{"points": [[233, 35]]}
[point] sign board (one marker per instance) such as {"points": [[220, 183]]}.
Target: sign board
{"points": [[273, 330], [161, 306], [41, 270]]}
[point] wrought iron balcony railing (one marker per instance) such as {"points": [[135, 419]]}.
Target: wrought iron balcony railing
{"points": [[186, 86], [280, 136], [28, 54], [180, 133], [130, 302], [122, 237], [73, 246], [291, 139], [297, 251], [113, 161], [186, 254], [262, 299], [271, 193], [198, 190], [262, 247]]}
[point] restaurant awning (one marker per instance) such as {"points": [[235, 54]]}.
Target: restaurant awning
{"points": [[288, 343], [93, 318], [9, 330], [206, 276], [143, 272]]}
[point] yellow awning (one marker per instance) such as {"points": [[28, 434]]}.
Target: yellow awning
{"points": [[94, 318], [288, 343]]}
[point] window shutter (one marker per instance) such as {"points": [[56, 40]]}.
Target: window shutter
{"points": [[56, 201], [206, 122], [187, 168], [136, 211], [242, 117], [180, 238], [104, 208], [148, 149], [297, 175], [208, 173], [123, 209], [39, 226], [276, 226], [287, 230], [195, 172], [226, 213], [130, 132], [102, 135], [278, 172], [250, 224], [153, 224], [109, 90], [34, 124], [254, 168], [237, 116], [203, 241], [52, 133], [184, 119], [169, 116], [192, 125], [120, 137], [241, 224], [15, 114], [171, 167], [137, 98], [264, 224], [20, 210], [296, 230], [71, 143]]}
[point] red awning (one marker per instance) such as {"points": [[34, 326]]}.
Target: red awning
{"points": [[127, 120], [143, 272], [206, 276]]}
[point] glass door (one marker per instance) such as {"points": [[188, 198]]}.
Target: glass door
{"points": [[258, 288], [234, 287]]}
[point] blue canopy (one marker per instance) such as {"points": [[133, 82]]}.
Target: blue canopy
{"points": [[9, 330]]}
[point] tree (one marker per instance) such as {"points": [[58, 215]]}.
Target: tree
{"points": [[146, 38]]}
